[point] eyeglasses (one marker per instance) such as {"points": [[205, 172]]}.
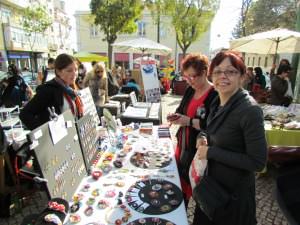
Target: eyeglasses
{"points": [[228, 73]]}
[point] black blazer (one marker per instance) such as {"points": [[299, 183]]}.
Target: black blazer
{"points": [[35, 113], [236, 139], [188, 150]]}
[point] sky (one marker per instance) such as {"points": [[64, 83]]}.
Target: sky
{"points": [[221, 29]]}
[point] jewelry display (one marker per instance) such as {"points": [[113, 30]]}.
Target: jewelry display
{"points": [[151, 221], [52, 218], [154, 196], [88, 138], [61, 164], [125, 217], [151, 159]]}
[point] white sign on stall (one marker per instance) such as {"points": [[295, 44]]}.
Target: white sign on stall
{"points": [[150, 80]]}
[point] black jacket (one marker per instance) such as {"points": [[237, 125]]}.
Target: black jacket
{"points": [[279, 87], [188, 150], [237, 149], [35, 113]]}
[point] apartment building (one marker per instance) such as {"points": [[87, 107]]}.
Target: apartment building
{"points": [[90, 39], [15, 44]]}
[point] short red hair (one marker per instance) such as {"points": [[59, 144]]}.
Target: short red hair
{"points": [[197, 61], [236, 60]]}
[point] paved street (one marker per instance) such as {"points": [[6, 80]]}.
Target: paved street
{"points": [[268, 212]]}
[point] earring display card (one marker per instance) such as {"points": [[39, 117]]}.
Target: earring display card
{"points": [[154, 196], [62, 164], [88, 104], [88, 138]]}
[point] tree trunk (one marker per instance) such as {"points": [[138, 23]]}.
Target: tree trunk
{"points": [[110, 49]]}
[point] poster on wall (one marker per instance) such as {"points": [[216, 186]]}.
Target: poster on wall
{"points": [[151, 83]]}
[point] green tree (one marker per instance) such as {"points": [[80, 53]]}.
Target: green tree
{"points": [[190, 18], [115, 17], [157, 9], [266, 15], [35, 21], [240, 29]]}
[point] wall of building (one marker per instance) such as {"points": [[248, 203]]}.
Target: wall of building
{"points": [[90, 37]]}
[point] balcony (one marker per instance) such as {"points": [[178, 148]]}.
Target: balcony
{"points": [[17, 3], [17, 40]]}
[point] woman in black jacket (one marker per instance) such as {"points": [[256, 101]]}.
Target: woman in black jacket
{"points": [[191, 115], [58, 93], [236, 147]]}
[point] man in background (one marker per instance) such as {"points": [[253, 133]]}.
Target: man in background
{"points": [[47, 73]]}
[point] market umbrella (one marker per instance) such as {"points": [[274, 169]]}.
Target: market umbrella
{"points": [[148, 59], [144, 46], [89, 57], [269, 42]]}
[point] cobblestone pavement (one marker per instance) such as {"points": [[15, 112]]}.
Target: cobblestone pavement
{"points": [[268, 212]]}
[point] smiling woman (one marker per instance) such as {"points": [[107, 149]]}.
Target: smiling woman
{"points": [[236, 147]]}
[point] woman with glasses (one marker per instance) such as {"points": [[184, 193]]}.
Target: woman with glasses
{"points": [[236, 146], [96, 80], [191, 114], [58, 93]]}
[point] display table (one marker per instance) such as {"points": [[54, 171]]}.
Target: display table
{"points": [[145, 189], [277, 137], [139, 115]]}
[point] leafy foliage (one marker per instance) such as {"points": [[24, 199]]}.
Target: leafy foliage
{"points": [[190, 19], [35, 20], [264, 15], [116, 17]]}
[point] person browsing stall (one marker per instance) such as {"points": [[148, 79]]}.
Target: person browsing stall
{"points": [[191, 114], [236, 148], [281, 90], [60, 93], [97, 82]]}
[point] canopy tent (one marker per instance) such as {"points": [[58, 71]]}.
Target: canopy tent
{"points": [[89, 57], [269, 42], [142, 45]]}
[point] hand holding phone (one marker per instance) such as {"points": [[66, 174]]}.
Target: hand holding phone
{"points": [[173, 117]]}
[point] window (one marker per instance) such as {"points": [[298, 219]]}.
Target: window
{"points": [[258, 61], [266, 61], [141, 28], [253, 60], [93, 30], [248, 63], [4, 15]]}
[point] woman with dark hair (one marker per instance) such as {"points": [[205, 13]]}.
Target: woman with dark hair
{"points": [[281, 90], [236, 147], [17, 90], [191, 115], [60, 93], [259, 78]]}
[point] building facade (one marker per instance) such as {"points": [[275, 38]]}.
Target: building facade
{"points": [[90, 39], [16, 47]]}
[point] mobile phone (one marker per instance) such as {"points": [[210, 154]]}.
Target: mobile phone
{"points": [[173, 117]]}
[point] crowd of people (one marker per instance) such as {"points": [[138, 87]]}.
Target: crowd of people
{"points": [[270, 87], [220, 122]]}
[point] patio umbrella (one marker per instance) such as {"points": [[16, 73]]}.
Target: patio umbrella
{"points": [[89, 57], [148, 59], [142, 45], [269, 42]]}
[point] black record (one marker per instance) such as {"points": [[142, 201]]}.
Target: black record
{"points": [[150, 160], [151, 221], [154, 196]]}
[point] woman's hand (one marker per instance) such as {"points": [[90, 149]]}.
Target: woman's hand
{"points": [[202, 148], [182, 120]]}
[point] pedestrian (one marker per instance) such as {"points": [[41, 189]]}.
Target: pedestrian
{"points": [[191, 114], [236, 149], [97, 82]]}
